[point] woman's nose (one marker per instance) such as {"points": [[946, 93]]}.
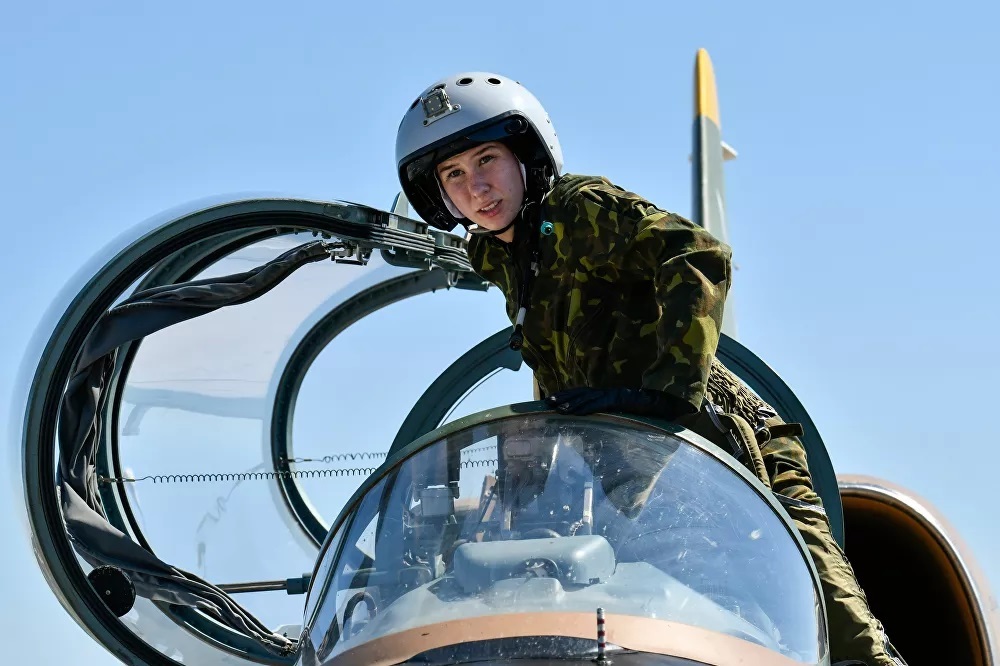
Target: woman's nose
{"points": [[479, 185]]}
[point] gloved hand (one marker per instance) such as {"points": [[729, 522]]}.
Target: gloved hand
{"points": [[644, 402]]}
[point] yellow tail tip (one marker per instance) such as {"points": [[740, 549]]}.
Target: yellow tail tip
{"points": [[706, 100]]}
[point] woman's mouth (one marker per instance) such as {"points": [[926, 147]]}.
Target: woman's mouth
{"points": [[491, 210]]}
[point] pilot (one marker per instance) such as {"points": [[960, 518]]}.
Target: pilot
{"points": [[617, 304]]}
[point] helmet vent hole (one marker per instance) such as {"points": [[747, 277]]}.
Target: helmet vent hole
{"points": [[415, 102], [464, 81], [494, 80]]}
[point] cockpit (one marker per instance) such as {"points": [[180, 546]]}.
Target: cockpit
{"points": [[499, 538], [197, 415]]}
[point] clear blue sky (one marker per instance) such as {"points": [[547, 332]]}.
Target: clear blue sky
{"points": [[860, 207]]}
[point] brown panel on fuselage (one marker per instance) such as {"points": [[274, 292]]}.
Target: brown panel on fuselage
{"points": [[631, 632]]}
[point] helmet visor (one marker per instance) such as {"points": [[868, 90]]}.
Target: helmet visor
{"points": [[501, 128]]}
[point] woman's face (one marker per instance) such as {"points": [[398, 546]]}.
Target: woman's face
{"points": [[486, 186]]}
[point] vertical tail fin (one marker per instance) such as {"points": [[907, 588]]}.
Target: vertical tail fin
{"points": [[709, 205]]}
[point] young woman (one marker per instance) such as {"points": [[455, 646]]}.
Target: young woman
{"points": [[617, 304]]}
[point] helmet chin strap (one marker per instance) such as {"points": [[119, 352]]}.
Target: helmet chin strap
{"points": [[479, 231]]}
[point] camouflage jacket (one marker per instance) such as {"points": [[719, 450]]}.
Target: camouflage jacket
{"points": [[627, 295]]}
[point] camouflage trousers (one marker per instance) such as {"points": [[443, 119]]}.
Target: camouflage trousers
{"points": [[855, 634]]}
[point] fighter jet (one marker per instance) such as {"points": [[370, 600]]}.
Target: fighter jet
{"points": [[236, 451]]}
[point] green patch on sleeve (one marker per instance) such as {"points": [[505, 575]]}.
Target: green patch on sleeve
{"points": [[702, 335]]}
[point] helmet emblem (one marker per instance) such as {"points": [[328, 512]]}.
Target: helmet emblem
{"points": [[437, 105]]}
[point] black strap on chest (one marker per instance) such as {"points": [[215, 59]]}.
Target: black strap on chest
{"points": [[526, 263], [525, 251]]}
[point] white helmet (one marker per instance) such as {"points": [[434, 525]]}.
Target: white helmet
{"points": [[459, 112]]}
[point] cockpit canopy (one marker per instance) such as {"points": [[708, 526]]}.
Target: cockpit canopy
{"points": [[215, 450], [523, 525]]}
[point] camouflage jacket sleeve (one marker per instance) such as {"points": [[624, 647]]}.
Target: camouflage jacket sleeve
{"points": [[691, 275]]}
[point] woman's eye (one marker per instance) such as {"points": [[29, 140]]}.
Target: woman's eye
{"points": [[455, 173], [486, 158]]}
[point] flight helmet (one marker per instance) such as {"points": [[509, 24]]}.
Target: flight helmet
{"points": [[458, 112]]}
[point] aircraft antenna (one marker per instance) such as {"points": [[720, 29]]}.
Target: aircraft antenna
{"points": [[602, 644]]}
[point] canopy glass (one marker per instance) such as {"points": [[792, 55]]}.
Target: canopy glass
{"points": [[537, 515]]}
